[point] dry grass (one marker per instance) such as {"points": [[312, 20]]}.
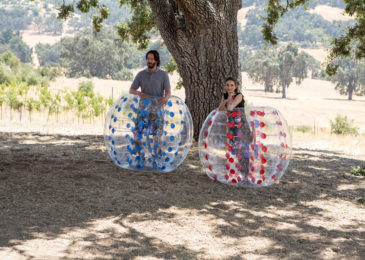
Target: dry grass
{"points": [[331, 13]]}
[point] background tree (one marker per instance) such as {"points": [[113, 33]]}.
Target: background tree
{"points": [[263, 67], [95, 55], [353, 38], [350, 77]]}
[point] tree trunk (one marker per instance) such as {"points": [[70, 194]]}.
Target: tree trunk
{"points": [[284, 91], [351, 88], [202, 38]]}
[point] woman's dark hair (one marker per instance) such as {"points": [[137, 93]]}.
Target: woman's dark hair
{"points": [[156, 56]]}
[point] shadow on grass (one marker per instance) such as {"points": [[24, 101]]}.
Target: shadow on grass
{"points": [[53, 184]]}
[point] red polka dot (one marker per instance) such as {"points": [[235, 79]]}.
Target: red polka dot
{"points": [[231, 160], [263, 160], [259, 181], [263, 135], [226, 176], [206, 133], [210, 122], [262, 124], [234, 181], [205, 145], [230, 148], [232, 124], [210, 167], [252, 113], [239, 125], [264, 149], [232, 171], [215, 177], [206, 157], [234, 114], [239, 157], [239, 178], [227, 155], [228, 166], [273, 176], [230, 136]]}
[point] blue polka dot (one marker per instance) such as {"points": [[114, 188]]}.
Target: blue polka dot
{"points": [[172, 138], [172, 125], [167, 159], [128, 125], [180, 143], [140, 123], [138, 148], [169, 103], [119, 109], [144, 144], [113, 130], [154, 165], [146, 102], [138, 158], [180, 111], [130, 115], [164, 143], [112, 117], [115, 119], [125, 99], [116, 106], [109, 137], [135, 99], [172, 114], [127, 136], [176, 153], [115, 153], [139, 136], [163, 168], [169, 149], [113, 142], [182, 122]]}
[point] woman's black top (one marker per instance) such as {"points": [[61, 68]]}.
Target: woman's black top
{"points": [[241, 104]]}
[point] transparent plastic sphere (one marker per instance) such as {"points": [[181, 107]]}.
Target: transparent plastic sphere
{"points": [[248, 147], [140, 134]]}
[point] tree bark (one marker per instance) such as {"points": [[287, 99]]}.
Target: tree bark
{"points": [[202, 38]]}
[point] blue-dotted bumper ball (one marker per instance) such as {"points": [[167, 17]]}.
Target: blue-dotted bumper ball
{"points": [[140, 134], [248, 147]]}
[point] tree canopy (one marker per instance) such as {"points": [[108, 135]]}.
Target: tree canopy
{"points": [[352, 40]]}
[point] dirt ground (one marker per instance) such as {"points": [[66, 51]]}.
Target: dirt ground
{"points": [[62, 198]]}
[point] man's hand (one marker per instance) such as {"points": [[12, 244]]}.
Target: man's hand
{"points": [[142, 95], [163, 100]]}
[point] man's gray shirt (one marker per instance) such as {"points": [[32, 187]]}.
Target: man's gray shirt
{"points": [[152, 83]]}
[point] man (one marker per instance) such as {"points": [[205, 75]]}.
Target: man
{"points": [[154, 82]]}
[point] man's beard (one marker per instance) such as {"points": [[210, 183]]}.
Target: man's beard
{"points": [[151, 65]]}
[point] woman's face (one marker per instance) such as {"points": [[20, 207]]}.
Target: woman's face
{"points": [[230, 86]]}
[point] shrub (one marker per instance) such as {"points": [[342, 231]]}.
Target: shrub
{"points": [[358, 170], [342, 126], [303, 129]]}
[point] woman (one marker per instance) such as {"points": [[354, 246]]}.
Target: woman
{"points": [[232, 98], [238, 129]]}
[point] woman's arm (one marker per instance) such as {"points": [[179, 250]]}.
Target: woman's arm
{"points": [[222, 104], [235, 102]]}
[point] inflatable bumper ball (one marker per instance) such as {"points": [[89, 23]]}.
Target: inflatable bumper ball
{"points": [[140, 134], [248, 147]]}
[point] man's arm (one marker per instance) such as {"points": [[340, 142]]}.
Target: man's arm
{"points": [[138, 93], [135, 85], [166, 97]]}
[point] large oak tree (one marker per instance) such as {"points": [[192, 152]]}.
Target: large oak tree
{"points": [[201, 35]]}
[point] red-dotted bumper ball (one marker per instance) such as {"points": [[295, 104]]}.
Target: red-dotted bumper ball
{"points": [[248, 147], [141, 134]]}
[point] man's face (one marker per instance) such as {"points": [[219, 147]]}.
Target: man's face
{"points": [[151, 62]]}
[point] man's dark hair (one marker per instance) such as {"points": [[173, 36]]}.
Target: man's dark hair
{"points": [[156, 56]]}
